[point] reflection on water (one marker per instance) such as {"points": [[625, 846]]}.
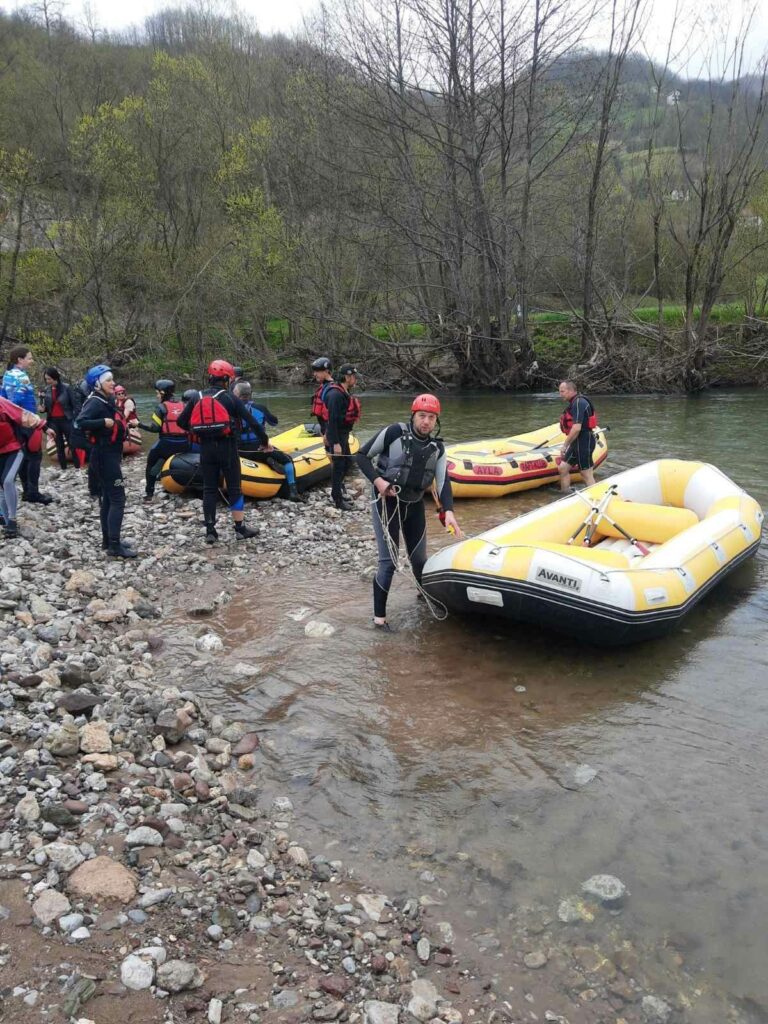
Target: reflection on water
{"points": [[460, 739]]}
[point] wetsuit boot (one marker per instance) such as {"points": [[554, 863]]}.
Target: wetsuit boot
{"points": [[10, 529], [117, 549], [211, 533], [293, 494], [243, 532], [343, 504]]}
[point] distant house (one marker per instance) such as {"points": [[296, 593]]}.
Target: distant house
{"points": [[673, 98], [679, 195]]}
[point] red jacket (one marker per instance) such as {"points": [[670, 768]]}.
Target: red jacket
{"points": [[10, 416]]}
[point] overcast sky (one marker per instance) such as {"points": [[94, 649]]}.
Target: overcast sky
{"points": [[287, 15]]}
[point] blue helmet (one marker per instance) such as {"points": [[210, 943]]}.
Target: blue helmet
{"points": [[92, 376]]}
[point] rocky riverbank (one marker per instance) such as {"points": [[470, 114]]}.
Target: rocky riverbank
{"points": [[142, 876]]}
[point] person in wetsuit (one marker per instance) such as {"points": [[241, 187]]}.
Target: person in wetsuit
{"points": [[249, 444], [577, 423], [213, 417], [321, 372], [403, 462], [343, 412], [104, 425], [172, 441]]}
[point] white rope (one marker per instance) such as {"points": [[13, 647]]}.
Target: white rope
{"points": [[438, 610]]}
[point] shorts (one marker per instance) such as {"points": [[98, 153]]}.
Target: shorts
{"points": [[579, 453]]}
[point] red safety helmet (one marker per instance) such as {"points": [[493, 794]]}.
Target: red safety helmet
{"points": [[119, 389], [426, 403], [220, 368]]}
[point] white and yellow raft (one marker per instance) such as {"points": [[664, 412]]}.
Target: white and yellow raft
{"points": [[693, 525], [504, 465]]}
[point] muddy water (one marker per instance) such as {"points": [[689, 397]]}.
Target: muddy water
{"points": [[451, 746]]}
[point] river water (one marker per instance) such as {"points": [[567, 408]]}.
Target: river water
{"points": [[450, 747]]}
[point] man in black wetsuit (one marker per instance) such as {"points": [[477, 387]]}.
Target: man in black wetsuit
{"points": [[172, 441], [104, 426], [213, 417], [343, 413], [404, 461], [577, 423]]}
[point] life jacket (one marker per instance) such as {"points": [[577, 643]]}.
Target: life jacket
{"points": [[117, 434], [318, 407], [210, 419], [169, 427], [34, 442], [7, 434], [352, 414], [566, 420], [410, 463]]}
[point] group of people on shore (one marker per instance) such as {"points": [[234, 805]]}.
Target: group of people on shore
{"points": [[91, 422]]}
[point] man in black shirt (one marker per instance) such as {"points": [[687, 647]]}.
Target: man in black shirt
{"points": [[343, 413], [577, 424], [213, 417]]}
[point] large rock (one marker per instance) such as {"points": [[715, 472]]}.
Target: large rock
{"points": [[177, 975], [49, 906], [95, 738], [81, 581], [78, 701], [103, 879], [609, 889], [318, 630], [209, 643], [377, 1012]]}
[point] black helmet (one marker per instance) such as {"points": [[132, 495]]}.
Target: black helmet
{"points": [[189, 394], [346, 371], [239, 371], [165, 386], [322, 363]]}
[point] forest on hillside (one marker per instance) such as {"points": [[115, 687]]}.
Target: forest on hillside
{"points": [[448, 191]]}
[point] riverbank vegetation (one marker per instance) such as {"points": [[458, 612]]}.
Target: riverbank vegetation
{"points": [[449, 193]]}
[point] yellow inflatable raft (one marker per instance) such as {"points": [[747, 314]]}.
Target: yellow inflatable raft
{"points": [[259, 479], [619, 562], [504, 465]]}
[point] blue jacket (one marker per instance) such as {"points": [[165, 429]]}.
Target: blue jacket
{"points": [[17, 388], [262, 415]]}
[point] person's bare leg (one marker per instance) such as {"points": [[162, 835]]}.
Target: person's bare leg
{"points": [[565, 476]]}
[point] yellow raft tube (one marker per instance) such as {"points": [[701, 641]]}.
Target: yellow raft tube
{"points": [[660, 536], [258, 479], [504, 465]]}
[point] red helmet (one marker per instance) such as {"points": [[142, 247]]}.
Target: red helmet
{"points": [[426, 403], [119, 389], [220, 368]]}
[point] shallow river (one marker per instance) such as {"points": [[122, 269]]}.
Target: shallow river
{"points": [[421, 749]]}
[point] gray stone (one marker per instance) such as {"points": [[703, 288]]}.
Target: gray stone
{"points": [[27, 809], [209, 643], [79, 934], [423, 1002], [349, 965], [606, 888], [255, 860], [70, 922], [49, 906], [143, 836], [137, 974], [177, 975], [655, 1010], [64, 856], [533, 961], [377, 1012], [214, 1011], [423, 949], [64, 741], [372, 905], [155, 896], [286, 999]]}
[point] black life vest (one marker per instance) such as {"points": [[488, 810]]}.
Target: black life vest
{"points": [[169, 427], [410, 463], [567, 421]]}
